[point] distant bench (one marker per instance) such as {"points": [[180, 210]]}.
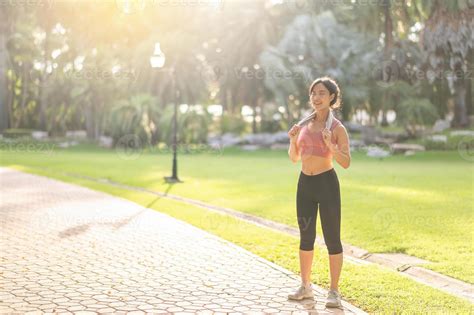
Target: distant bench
{"points": [[403, 147]]}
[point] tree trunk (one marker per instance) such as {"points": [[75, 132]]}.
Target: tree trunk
{"points": [[388, 28], [470, 86], [223, 99], [384, 119], [42, 96], [254, 116], [387, 51], [4, 117], [235, 108], [469, 97], [460, 92], [23, 97], [89, 120], [281, 100], [460, 110]]}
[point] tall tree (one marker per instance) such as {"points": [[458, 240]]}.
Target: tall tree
{"points": [[313, 46], [250, 26], [5, 27], [448, 40], [45, 22]]}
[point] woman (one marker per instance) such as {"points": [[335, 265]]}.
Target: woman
{"points": [[316, 144]]}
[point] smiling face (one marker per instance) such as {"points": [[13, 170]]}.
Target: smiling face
{"points": [[320, 97]]}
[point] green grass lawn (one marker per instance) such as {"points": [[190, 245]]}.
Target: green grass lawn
{"points": [[420, 205], [374, 289]]}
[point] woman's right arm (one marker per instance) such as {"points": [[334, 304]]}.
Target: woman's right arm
{"points": [[293, 151]]}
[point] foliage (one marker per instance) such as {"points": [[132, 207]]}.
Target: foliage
{"points": [[231, 123], [61, 71], [314, 46], [415, 112], [457, 142], [137, 115], [17, 132], [193, 125]]}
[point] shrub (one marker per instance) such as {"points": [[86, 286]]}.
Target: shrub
{"points": [[271, 126], [193, 125], [137, 116], [232, 123], [17, 133], [452, 142], [415, 112]]}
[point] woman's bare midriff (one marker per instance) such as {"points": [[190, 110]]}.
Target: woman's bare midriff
{"points": [[314, 165]]}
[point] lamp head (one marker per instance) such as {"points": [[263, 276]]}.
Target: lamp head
{"points": [[157, 60]]}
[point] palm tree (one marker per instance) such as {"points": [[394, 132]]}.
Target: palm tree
{"points": [[391, 22], [45, 22], [137, 115], [245, 35], [314, 46], [100, 48], [448, 40]]}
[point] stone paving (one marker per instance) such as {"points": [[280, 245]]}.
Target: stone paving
{"points": [[69, 249]]}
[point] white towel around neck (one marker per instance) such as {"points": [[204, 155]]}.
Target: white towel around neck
{"points": [[307, 119]]}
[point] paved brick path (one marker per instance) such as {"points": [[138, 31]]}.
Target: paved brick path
{"points": [[66, 248]]}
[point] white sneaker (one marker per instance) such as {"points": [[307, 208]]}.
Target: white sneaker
{"points": [[333, 299], [302, 292]]}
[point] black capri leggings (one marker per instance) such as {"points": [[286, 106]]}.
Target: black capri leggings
{"points": [[323, 190]]}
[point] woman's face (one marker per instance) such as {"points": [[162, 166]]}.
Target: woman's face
{"points": [[320, 97]]}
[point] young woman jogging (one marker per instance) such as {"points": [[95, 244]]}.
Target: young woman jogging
{"points": [[316, 144]]}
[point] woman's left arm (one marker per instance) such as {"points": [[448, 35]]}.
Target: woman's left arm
{"points": [[341, 150]]}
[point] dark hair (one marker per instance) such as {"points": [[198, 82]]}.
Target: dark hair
{"points": [[332, 87]]}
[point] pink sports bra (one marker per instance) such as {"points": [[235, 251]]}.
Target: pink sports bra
{"points": [[311, 142]]}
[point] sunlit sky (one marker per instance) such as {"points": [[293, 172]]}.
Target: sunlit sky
{"points": [[130, 6]]}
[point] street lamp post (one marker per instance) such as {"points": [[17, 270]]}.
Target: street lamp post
{"points": [[157, 60]]}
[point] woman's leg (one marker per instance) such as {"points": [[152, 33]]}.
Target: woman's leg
{"points": [[335, 268], [306, 209], [330, 212], [306, 262]]}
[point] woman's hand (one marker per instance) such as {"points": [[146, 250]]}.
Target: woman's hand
{"points": [[327, 135], [293, 133]]}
